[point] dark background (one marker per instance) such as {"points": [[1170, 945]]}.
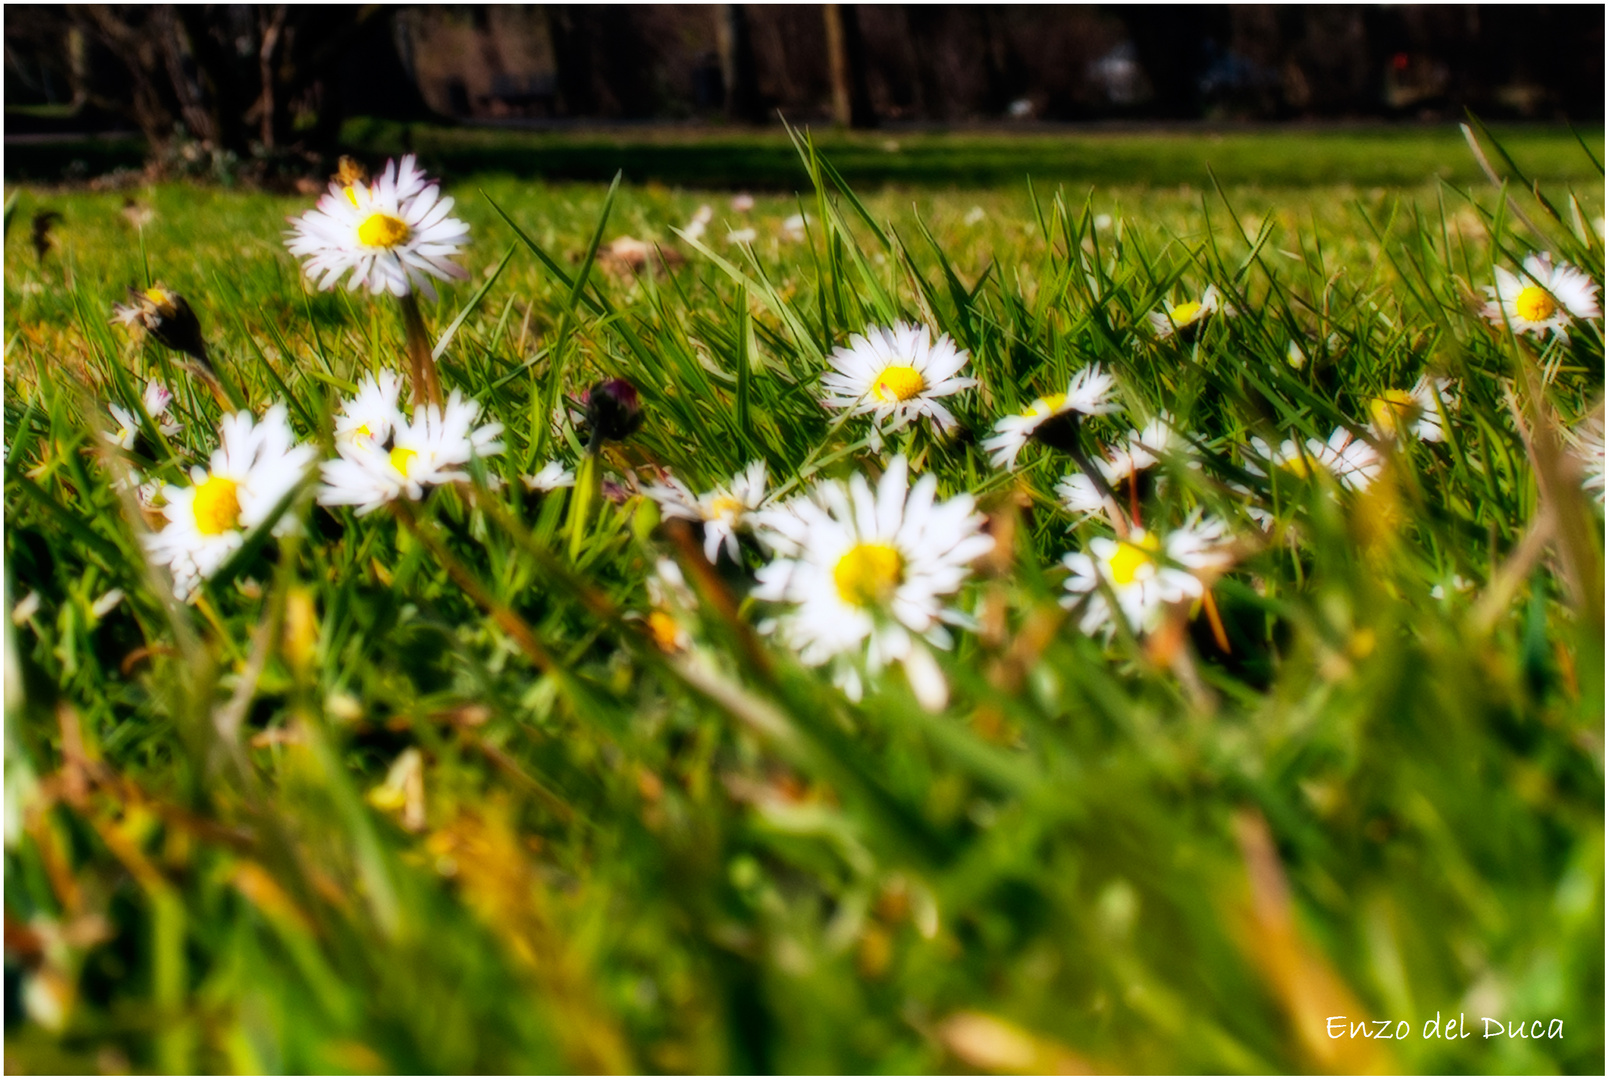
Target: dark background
{"points": [[274, 84]]}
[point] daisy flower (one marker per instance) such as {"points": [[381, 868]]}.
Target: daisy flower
{"points": [[869, 568], [168, 318], [695, 229], [897, 373], [1145, 573], [1143, 450], [393, 234], [1180, 318], [673, 602], [1542, 298], [424, 452], [156, 399], [722, 511], [1588, 440], [1352, 461], [255, 466], [372, 413], [1414, 411], [1089, 394], [551, 477]]}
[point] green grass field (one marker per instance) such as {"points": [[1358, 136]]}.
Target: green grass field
{"points": [[456, 786]]}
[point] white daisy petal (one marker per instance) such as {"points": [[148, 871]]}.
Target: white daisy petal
{"points": [[896, 374], [424, 452], [723, 511], [863, 572], [391, 235], [1146, 574], [256, 465]]}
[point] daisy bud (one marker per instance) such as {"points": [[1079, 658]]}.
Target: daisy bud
{"points": [[614, 411]]}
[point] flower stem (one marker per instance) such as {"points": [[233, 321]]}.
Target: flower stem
{"points": [[426, 387]]}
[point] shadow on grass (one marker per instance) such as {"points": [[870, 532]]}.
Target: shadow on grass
{"points": [[1287, 156]]}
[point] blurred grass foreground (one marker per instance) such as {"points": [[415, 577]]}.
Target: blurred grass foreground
{"points": [[529, 769]]}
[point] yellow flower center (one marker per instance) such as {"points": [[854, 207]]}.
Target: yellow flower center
{"points": [[1534, 304], [1130, 556], [401, 458], [1183, 313], [898, 383], [664, 629], [383, 231], [725, 506], [363, 430], [1392, 408], [1298, 465], [868, 574], [1049, 405], [217, 506]]}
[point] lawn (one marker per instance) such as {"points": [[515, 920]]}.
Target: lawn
{"points": [[514, 778]]}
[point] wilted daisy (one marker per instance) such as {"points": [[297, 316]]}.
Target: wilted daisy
{"points": [[1139, 453], [372, 412], [255, 466], [722, 511], [897, 373], [1542, 298], [1180, 317], [426, 451], [1089, 393], [156, 399], [393, 234], [1352, 461], [1413, 411], [862, 566], [1146, 573]]}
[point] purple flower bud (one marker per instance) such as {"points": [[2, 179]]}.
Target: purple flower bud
{"points": [[614, 410]]}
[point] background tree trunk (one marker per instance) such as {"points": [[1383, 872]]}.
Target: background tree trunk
{"points": [[253, 80], [736, 47], [851, 103]]}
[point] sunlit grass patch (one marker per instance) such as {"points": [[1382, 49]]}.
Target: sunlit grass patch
{"points": [[1260, 684]]}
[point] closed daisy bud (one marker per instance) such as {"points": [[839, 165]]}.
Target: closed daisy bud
{"points": [[614, 411]]}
